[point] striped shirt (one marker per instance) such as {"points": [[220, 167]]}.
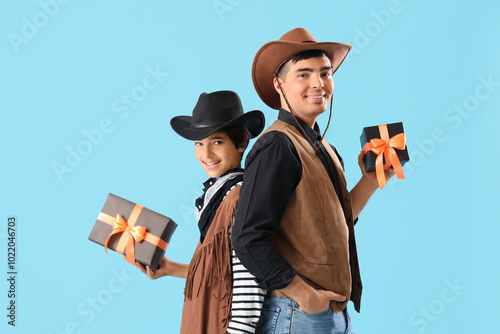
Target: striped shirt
{"points": [[248, 297]]}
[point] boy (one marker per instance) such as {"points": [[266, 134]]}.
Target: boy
{"points": [[221, 132]]}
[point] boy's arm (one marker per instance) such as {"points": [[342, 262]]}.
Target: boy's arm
{"points": [[167, 268], [248, 298]]}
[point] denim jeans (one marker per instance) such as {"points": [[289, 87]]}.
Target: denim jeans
{"points": [[282, 316]]}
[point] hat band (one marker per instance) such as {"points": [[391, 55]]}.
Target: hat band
{"points": [[202, 126]]}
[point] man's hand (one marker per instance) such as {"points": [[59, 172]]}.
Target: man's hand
{"points": [[319, 301], [371, 177], [309, 299]]}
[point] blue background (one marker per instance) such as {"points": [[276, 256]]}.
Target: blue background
{"points": [[65, 68]]}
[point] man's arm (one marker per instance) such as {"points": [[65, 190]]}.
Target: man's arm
{"points": [[366, 187], [272, 171]]}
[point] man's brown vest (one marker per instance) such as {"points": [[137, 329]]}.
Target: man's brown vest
{"points": [[316, 234]]}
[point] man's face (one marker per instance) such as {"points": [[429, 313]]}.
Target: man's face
{"points": [[308, 86], [217, 154]]}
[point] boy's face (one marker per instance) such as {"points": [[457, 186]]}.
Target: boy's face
{"points": [[217, 154], [308, 86]]}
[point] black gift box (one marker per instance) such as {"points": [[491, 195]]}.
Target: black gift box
{"points": [[156, 224], [371, 132]]}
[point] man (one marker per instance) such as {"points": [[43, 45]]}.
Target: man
{"points": [[294, 226]]}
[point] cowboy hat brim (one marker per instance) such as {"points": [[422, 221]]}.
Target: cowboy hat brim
{"points": [[254, 121], [273, 54]]}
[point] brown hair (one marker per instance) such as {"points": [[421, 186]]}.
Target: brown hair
{"points": [[239, 135]]}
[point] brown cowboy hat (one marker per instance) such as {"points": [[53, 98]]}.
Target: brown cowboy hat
{"points": [[273, 54]]}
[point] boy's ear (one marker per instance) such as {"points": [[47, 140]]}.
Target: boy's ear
{"points": [[244, 144]]}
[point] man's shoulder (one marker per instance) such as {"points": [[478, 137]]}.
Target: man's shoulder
{"points": [[272, 136], [271, 140], [273, 146]]}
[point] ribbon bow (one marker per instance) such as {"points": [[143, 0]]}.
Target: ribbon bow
{"points": [[384, 147], [131, 234]]}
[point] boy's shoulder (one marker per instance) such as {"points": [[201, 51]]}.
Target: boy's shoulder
{"points": [[230, 201]]}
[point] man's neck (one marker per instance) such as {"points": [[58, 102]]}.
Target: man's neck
{"points": [[309, 122], [311, 133]]}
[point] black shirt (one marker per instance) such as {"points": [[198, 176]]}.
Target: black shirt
{"points": [[272, 172]]}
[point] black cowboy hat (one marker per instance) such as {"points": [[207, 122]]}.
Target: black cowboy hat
{"points": [[214, 112]]}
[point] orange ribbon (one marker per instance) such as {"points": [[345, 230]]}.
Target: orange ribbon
{"points": [[131, 233], [384, 147]]}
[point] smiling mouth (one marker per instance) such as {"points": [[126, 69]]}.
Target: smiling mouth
{"points": [[316, 98], [211, 164]]}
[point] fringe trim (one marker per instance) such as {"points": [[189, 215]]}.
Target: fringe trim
{"points": [[213, 261]]}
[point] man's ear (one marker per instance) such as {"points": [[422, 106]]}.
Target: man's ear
{"points": [[276, 84]]}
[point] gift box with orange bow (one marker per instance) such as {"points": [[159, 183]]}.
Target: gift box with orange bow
{"points": [[384, 147], [133, 230]]}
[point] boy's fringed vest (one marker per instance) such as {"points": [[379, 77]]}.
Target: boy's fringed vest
{"points": [[209, 286]]}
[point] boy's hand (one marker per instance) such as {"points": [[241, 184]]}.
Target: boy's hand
{"points": [[167, 268], [152, 273]]}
